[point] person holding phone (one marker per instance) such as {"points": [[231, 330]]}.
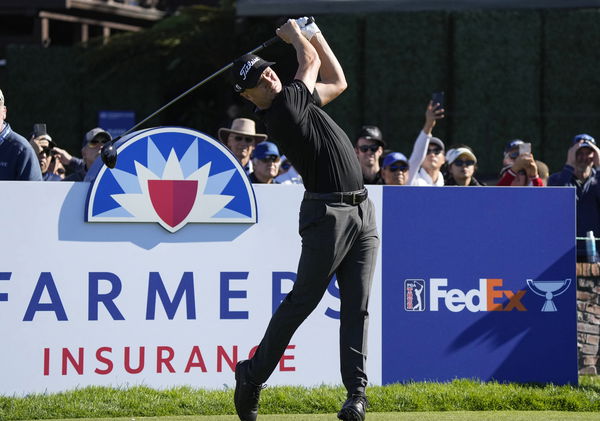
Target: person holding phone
{"points": [[520, 167], [427, 157], [43, 145]]}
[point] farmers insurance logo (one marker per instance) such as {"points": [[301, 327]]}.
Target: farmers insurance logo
{"points": [[172, 176]]}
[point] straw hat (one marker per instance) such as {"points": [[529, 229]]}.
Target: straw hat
{"points": [[241, 126]]}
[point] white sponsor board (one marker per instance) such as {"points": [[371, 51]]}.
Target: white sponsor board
{"points": [[125, 304]]}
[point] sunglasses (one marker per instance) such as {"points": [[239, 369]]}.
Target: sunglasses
{"points": [[269, 158], [247, 139], [46, 151], [513, 155], [460, 162], [435, 151], [365, 148], [402, 168], [95, 142]]}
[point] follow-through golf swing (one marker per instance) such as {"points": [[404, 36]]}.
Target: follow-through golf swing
{"points": [[337, 220]]}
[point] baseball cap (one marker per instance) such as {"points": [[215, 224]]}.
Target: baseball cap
{"points": [[45, 136], [455, 153], [246, 71], [512, 144], [438, 142], [585, 137], [372, 133], [89, 136], [265, 149], [393, 157], [586, 144]]}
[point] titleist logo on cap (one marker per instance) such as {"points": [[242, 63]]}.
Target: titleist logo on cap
{"points": [[246, 67]]}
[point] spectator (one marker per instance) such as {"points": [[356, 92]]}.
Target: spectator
{"points": [[18, 160], [241, 139], [461, 168], [56, 166], [543, 171], [511, 152], [93, 141], [369, 147], [427, 156], [265, 160], [520, 169], [395, 169], [43, 145], [287, 173], [581, 171]]}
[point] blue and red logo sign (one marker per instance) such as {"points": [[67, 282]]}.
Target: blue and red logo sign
{"points": [[172, 176]]}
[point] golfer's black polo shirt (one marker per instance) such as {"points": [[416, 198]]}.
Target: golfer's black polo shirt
{"points": [[317, 147]]}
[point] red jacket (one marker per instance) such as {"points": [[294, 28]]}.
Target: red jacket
{"points": [[509, 176]]}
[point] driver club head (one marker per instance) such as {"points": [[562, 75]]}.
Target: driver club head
{"points": [[109, 154]]}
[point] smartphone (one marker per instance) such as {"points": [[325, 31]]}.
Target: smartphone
{"points": [[39, 129], [524, 148], [438, 98]]}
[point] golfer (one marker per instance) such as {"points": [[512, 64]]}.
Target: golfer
{"points": [[337, 220]]}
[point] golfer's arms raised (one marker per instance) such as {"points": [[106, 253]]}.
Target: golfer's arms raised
{"points": [[306, 54], [333, 81]]}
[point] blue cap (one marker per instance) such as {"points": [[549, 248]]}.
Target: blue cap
{"points": [[513, 144], [585, 137], [265, 149], [393, 157]]}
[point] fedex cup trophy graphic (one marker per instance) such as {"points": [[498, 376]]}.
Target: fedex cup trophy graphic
{"points": [[548, 289]]}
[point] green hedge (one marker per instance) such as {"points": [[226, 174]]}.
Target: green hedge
{"points": [[529, 74]]}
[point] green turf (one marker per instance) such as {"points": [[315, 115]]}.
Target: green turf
{"points": [[459, 395], [391, 416]]}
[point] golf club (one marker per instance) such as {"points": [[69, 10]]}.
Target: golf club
{"points": [[109, 152]]}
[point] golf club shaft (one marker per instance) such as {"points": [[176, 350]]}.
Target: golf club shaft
{"points": [[109, 153], [202, 82]]}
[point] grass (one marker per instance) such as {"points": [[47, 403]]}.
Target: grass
{"points": [[390, 416], [387, 402]]}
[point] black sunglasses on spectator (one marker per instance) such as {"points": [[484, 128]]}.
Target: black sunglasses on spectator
{"points": [[435, 151], [514, 155], [460, 162], [402, 168], [365, 148], [247, 139], [46, 151]]}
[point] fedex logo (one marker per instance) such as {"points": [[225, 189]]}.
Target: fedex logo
{"points": [[489, 297]]}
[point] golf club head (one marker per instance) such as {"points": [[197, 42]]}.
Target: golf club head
{"points": [[109, 154]]}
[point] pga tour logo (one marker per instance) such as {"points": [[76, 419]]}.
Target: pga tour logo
{"points": [[414, 293], [172, 176]]}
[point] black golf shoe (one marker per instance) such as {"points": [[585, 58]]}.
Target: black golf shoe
{"points": [[354, 408], [246, 393]]}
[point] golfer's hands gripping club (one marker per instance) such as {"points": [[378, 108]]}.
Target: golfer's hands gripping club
{"points": [[308, 27]]}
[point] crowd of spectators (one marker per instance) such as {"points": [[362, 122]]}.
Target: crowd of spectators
{"points": [[39, 158]]}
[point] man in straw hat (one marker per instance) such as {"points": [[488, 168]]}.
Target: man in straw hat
{"points": [[337, 220], [241, 139]]}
